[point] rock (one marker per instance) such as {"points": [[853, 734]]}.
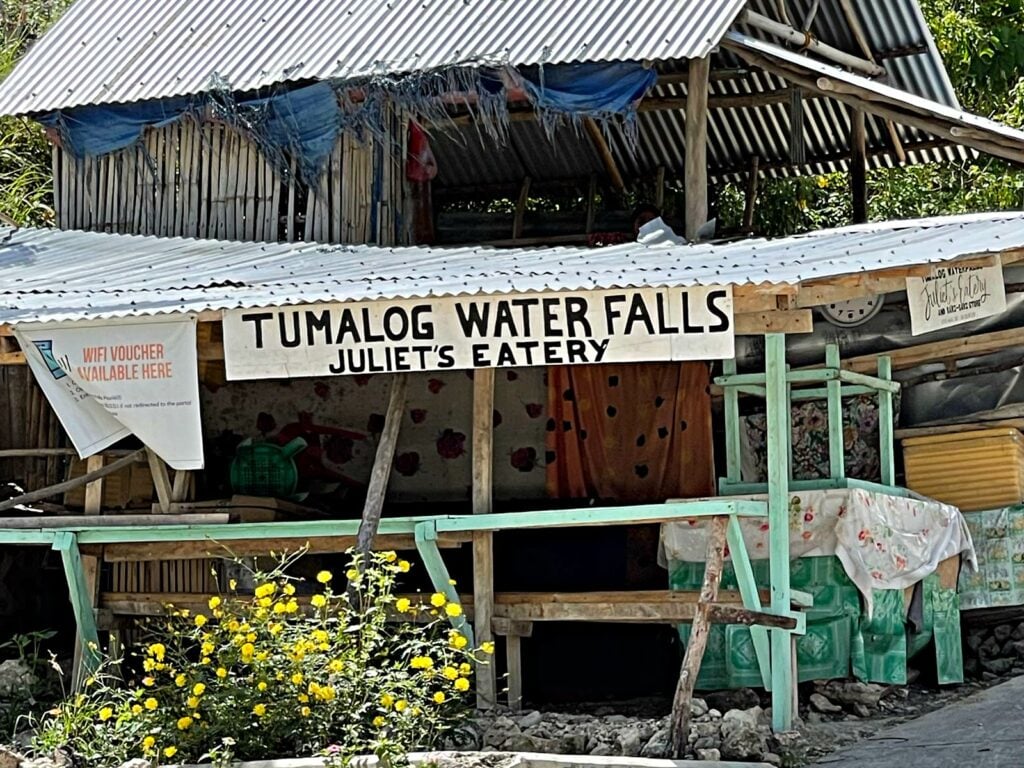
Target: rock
{"points": [[520, 742], [851, 692], [1018, 632], [603, 749], [823, 705], [658, 746], [988, 649], [137, 762], [705, 743], [741, 698], [9, 759], [860, 710], [742, 741], [15, 678], [1017, 648], [714, 714], [698, 708], [772, 759], [997, 666], [814, 717], [971, 667], [709, 754], [975, 637], [704, 730], [499, 731], [988, 677], [529, 720], [791, 746], [573, 744], [616, 719], [632, 740], [1002, 633]]}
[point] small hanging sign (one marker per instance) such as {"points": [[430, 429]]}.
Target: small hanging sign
{"points": [[952, 295]]}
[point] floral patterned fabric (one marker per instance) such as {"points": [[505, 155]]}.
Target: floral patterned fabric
{"points": [[810, 440], [998, 535], [882, 541]]}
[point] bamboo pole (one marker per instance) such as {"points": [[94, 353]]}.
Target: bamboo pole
{"points": [[75, 482]]}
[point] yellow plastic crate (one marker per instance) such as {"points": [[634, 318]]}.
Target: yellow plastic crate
{"points": [[981, 469]]}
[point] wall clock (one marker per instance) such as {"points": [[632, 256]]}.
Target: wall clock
{"points": [[850, 314]]}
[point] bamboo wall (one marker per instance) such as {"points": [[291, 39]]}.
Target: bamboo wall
{"points": [[210, 181]]}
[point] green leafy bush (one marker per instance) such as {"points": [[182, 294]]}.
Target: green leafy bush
{"points": [[275, 675]]}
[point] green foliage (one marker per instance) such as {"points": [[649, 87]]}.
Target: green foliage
{"points": [[256, 677], [41, 687], [26, 188]]}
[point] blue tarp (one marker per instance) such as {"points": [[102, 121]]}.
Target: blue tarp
{"points": [[597, 90]]}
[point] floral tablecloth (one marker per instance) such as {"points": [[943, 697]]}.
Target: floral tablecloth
{"points": [[882, 541]]}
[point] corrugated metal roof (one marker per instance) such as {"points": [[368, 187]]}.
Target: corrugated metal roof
{"points": [[114, 51], [68, 275]]}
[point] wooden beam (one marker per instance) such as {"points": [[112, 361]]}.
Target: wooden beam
{"points": [[483, 541], [161, 480], [68, 485], [381, 472], [697, 642], [605, 153], [938, 351], [520, 214], [93, 490], [774, 321], [858, 166], [695, 172], [751, 195]]}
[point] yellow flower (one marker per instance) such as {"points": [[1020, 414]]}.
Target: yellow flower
{"points": [[148, 682], [207, 648], [403, 566], [136, 709], [265, 590], [148, 742], [450, 673], [200, 620], [251, 637], [158, 650], [305, 711], [199, 689], [275, 629], [106, 713], [326, 693], [437, 599], [324, 577], [170, 751], [184, 723], [387, 700], [390, 557], [248, 650], [264, 602], [192, 702], [303, 698], [151, 703], [289, 589], [221, 672], [297, 678], [465, 668], [401, 704], [439, 697], [261, 686], [336, 665], [402, 604], [352, 574], [318, 601], [292, 606], [214, 603], [458, 640], [279, 608], [313, 687], [259, 710], [180, 680], [462, 684], [149, 665], [421, 662], [379, 721], [232, 585], [487, 647], [453, 609]]}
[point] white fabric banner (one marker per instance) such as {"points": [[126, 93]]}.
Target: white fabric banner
{"points": [[499, 331], [113, 378], [952, 295]]}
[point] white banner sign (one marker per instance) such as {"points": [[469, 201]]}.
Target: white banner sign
{"points": [[460, 332], [951, 295], [109, 379]]}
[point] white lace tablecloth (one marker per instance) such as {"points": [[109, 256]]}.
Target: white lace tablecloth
{"points": [[883, 541]]}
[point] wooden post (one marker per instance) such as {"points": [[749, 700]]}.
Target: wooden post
{"points": [[483, 541], [696, 146], [886, 459], [779, 438], [520, 214], [94, 490], [378, 485], [751, 196], [858, 166], [836, 442], [698, 641], [731, 398], [82, 601], [591, 203], [161, 480], [607, 158]]}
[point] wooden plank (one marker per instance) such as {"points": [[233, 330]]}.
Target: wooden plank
{"points": [[695, 174], [67, 485], [858, 166], [483, 541], [604, 152], [774, 321], [514, 662], [79, 522], [680, 719], [161, 480], [751, 597], [94, 490], [520, 214], [179, 490], [937, 351], [381, 472], [750, 198]]}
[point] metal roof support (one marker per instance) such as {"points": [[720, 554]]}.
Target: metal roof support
{"points": [[695, 171], [806, 41]]}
